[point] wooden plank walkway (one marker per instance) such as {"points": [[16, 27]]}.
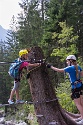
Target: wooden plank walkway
{"points": [[26, 102], [13, 106]]}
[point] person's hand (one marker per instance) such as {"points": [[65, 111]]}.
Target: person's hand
{"points": [[49, 65], [37, 64]]}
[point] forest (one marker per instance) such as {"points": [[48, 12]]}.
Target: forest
{"points": [[56, 26]]}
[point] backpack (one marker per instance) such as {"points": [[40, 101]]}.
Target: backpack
{"points": [[14, 68]]}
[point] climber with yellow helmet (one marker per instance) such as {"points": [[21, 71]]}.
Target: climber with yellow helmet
{"points": [[22, 63]]}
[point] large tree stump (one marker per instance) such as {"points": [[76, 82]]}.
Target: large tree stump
{"points": [[46, 105]]}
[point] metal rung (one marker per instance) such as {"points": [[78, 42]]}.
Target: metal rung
{"points": [[39, 115], [53, 123]]}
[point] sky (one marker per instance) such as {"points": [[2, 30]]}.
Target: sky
{"points": [[8, 8]]}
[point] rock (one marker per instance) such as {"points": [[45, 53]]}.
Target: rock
{"points": [[30, 116], [23, 123], [2, 120], [1, 113], [9, 123]]}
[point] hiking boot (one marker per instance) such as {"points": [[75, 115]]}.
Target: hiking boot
{"points": [[10, 101], [19, 101], [80, 122]]}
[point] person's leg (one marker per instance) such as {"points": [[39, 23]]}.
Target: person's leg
{"points": [[17, 94], [79, 106], [81, 110], [12, 93], [17, 84], [15, 90], [81, 98]]}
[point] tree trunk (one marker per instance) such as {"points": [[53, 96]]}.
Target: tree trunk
{"points": [[46, 105]]}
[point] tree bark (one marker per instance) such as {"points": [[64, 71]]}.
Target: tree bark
{"points": [[46, 104]]}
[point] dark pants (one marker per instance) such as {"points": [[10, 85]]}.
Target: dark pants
{"points": [[77, 92]]}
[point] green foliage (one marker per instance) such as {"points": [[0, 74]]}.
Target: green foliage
{"points": [[32, 115], [4, 77], [24, 87], [65, 37], [66, 42], [32, 120], [64, 95]]}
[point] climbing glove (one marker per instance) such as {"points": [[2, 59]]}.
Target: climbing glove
{"points": [[49, 65]]}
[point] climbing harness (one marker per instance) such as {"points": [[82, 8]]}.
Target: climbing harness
{"points": [[76, 92], [76, 82]]}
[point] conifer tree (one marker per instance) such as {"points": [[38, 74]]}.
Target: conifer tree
{"points": [[30, 24]]}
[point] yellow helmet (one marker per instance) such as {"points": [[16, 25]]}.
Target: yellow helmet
{"points": [[22, 52]]}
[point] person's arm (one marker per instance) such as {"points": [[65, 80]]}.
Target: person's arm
{"points": [[81, 73], [57, 69], [54, 68], [34, 64]]}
